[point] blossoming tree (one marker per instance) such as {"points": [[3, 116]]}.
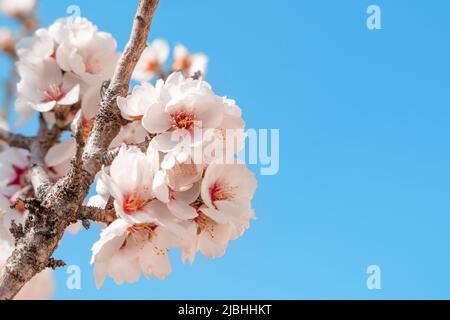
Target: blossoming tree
{"points": [[161, 157]]}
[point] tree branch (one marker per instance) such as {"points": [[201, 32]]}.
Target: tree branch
{"points": [[15, 139], [60, 205], [97, 214], [39, 147]]}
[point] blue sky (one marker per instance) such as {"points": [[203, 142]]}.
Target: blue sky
{"points": [[364, 149]]}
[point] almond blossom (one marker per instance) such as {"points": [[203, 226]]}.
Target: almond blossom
{"points": [[188, 63], [59, 65], [15, 162], [174, 109], [225, 211], [151, 61], [83, 50], [227, 191], [130, 183], [45, 86], [124, 251]]}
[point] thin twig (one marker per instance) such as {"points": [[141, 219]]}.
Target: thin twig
{"points": [[97, 214]]}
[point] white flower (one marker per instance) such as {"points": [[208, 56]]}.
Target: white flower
{"points": [[227, 191], [59, 156], [17, 8], [124, 250], [208, 237], [37, 47], [83, 50], [14, 164], [226, 211], [188, 63], [228, 138], [131, 133], [134, 106], [130, 182], [44, 86], [177, 110], [151, 61], [23, 110]]}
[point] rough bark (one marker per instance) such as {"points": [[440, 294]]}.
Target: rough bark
{"points": [[15, 140], [57, 205]]}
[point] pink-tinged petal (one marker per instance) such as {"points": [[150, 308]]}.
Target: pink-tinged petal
{"points": [[40, 287], [138, 217], [60, 152], [214, 247], [100, 271], [123, 269], [156, 120], [111, 239], [182, 210], [44, 106], [199, 62], [189, 195], [24, 111], [97, 201], [76, 63], [62, 56], [215, 215], [160, 187], [166, 141], [71, 97]]}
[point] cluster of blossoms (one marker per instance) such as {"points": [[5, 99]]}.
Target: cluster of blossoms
{"points": [[180, 193], [174, 183]]}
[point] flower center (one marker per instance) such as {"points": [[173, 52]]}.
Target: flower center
{"points": [[182, 64], [183, 120], [53, 93], [151, 66], [205, 224], [139, 233], [134, 203], [220, 191], [20, 176]]}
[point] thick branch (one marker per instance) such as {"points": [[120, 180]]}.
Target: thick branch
{"points": [[15, 140]]}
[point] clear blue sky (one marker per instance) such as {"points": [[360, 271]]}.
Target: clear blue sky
{"points": [[365, 151]]}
